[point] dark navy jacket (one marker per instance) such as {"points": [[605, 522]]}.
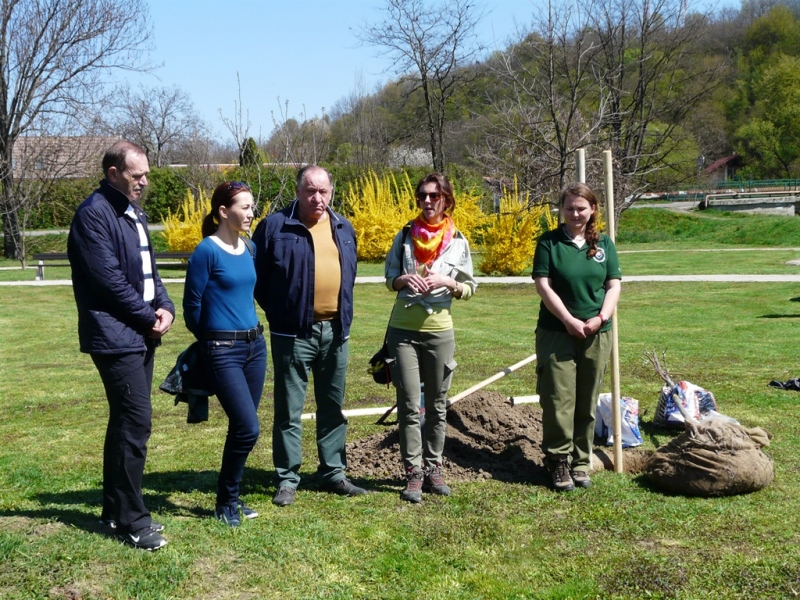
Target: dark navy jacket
{"points": [[107, 277], [285, 271]]}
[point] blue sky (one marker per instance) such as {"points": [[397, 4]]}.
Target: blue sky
{"points": [[303, 52]]}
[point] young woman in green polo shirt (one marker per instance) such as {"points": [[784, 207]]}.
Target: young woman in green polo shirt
{"points": [[577, 275]]}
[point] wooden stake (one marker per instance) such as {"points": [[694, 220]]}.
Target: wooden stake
{"points": [[616, 421], [580, 165]]}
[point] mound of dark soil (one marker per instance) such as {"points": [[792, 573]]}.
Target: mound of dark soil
{"points": [[487, 438]]}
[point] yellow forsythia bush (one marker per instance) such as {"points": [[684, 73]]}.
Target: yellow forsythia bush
{"points": [[378, 207], [183, 230], [468, 215], [510, 238]]}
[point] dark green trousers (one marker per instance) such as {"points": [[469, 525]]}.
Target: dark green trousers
{"points": [[325, 355], [570, 374]]}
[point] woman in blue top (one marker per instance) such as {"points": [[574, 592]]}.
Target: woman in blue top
{"points": [[577, 275], [218, 309]]}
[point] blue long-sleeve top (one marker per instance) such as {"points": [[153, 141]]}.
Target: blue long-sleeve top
{"points": [[218, 293]]}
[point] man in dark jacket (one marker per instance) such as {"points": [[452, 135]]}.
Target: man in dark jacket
{"points": [[123, 310], [306, 268]]}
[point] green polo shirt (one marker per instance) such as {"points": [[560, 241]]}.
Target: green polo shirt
{"points": [[577, 279]]}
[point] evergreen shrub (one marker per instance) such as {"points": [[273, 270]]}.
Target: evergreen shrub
{"points": [[165, 192]]}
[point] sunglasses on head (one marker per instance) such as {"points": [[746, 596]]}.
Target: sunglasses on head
{"points": [[434, 196], [237, 185]]}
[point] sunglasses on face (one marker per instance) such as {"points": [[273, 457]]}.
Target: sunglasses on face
{"points": [[237, 185], [434, 196]]}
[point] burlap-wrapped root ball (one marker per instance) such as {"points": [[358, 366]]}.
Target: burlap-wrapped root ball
{"points": [[721, 459]]}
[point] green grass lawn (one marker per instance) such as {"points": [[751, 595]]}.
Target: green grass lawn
{"points": [[618, 539]]}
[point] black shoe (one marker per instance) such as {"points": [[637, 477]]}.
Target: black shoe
{"points": [[228, 514], [111, 525], [433, 481], [145, 538], [284, 496], [413, 491], [344, 487], [247, 512]]}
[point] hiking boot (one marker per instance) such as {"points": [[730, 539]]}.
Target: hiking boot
{"points": [[228, 514], [145, 538], [581, 479], [344, 487], [413, 491], [562, 482], [433, 481], [284, 496], [111, 525], [247, 512]]}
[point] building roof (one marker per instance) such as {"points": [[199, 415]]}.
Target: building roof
{"points": [[59, 156], [721, 163]]}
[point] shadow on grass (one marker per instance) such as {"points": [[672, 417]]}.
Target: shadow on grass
{"points": [[779, 317], [81, 508]]}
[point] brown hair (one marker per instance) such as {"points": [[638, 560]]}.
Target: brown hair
{"points": [[116, 155], [223, 195], [582, 190], [444, 187]]}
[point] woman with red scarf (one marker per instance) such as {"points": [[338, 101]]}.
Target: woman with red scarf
{"points": [[429, 265]]}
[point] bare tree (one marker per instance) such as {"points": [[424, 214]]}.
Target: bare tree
{"points": [[53, 56], [359, 132], [655, 72], [551, 105], [259, 175], [160, 120], [432, 45]]}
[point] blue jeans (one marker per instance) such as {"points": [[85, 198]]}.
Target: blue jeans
{"points": [[237, 369], [325, 355]]}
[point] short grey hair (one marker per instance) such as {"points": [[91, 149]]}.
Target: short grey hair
{"points": [[301, 175]]}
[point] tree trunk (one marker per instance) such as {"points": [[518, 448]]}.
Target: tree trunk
{"points": [[12, 239]]}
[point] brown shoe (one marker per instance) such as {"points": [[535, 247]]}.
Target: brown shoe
{"points": [[561, 479], [413, 491], [433, 481], [581, 478]]}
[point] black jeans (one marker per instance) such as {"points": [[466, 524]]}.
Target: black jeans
{"points": [[127, 379]]}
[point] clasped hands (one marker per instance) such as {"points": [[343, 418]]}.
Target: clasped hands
{"points": [[583, 329], [428, 282]]}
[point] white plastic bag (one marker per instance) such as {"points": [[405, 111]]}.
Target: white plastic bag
{"points": [[604, 429]]}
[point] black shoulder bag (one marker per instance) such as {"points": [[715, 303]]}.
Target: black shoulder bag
{"points": [[380, 362]]}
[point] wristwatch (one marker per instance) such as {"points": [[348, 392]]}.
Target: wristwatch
{"points": [[603, 320], [455, 288]]}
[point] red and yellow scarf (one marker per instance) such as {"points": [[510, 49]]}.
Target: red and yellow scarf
{"points": [[431, 240]]}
